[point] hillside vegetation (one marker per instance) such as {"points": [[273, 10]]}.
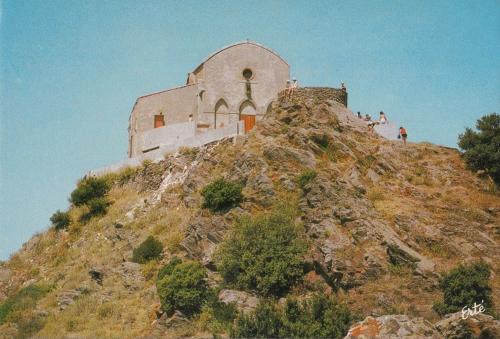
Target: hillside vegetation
{"points": [[307, 212]]}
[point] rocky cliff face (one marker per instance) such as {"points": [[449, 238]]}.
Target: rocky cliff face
{"points": [[383, 220]]}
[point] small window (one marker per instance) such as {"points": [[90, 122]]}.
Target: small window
{"points": [[247, 73], [159, 120]]}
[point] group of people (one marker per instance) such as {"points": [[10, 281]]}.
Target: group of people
{"points": [[403, 135], [292, 85], [290, 88], [368, 118]]}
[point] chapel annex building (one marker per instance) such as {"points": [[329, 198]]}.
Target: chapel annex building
{"points": [[225, 95]]}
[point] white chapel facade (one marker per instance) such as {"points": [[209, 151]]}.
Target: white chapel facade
{"points": [[231, 90]]}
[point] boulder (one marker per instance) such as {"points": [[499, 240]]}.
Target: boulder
{"points": [[67, 298], [177, 319], [392, 327], [244, 301], [478, 326], [131, 274]]}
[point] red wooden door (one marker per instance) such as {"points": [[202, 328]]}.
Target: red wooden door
{"points": [[249, 121]]}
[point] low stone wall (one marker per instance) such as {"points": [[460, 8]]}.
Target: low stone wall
{"points": [[209, 136], [322, 93], [169, 134]]}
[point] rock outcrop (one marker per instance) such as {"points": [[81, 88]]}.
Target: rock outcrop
{"points": [[393, 327], [402, 326]]}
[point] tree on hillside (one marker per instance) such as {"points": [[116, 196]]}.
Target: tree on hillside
{"points": [[264, 252], [465, 285], [482, 147]]}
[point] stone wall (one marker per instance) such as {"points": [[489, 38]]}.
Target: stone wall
{"points": [[232, 130], [167, 135], [322, 93]]}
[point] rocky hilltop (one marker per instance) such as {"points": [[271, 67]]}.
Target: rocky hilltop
{"points": [[383, 221]]}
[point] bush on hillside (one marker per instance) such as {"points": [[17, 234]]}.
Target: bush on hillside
{"points": [[216, 316], [463, 286], [221, 195], [482, 147], [60, 220], [306, 177], [183, 287], [263, 253], [168, 268], [89, 189], [96, 207], [148, 250], [264, 322], [319, 317], [24, 299]]}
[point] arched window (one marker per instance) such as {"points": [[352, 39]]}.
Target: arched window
{"points": [[269, 108], [221, 115]]}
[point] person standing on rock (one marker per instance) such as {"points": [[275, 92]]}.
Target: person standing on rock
{"points": [[403, 134], [293, 87], [383, 118], [359, 115], [287, 89]]}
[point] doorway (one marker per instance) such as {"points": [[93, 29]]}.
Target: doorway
{"points": [[249, 121], [247, 114]]}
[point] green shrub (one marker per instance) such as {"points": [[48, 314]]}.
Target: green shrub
{"points": [[148, 250], [216, 316], [24, 299], [89, 189], [319, 317], [482, 147], [183, 287], [264, 253], [97, 207], [168, 268], [223, 313], [264, 322], [60, 220], [464, 286], [221, 195], [306, 177]]}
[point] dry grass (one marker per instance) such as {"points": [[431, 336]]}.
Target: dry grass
{"points": [[434, 249], [150, 269], [125, 317], [375, 194]]}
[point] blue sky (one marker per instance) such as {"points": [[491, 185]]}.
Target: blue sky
{"points": [[71, 71]]}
